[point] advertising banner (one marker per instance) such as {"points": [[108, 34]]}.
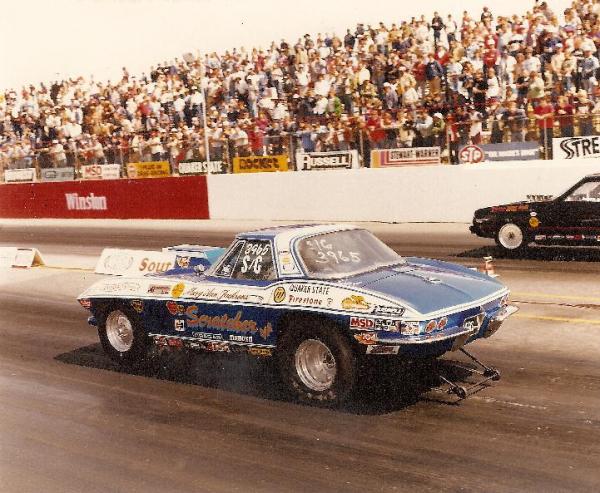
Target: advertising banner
{"points": [[327, 160], [57, 174], [385, 158], [150, 169], [134, 263], [506, 151], [19, 175], [162, 198], [201, 167], [576, 147], [259, 164], [101, 171]]}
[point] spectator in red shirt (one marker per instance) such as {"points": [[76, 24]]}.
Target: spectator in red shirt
{"points": [[564, 115], [544, 114]]}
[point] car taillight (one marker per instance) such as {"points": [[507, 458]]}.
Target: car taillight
{"points": [[85, 303], [442, 322], [431, 326]]}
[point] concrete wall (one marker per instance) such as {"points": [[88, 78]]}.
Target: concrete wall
{"points": [[409, 194]]}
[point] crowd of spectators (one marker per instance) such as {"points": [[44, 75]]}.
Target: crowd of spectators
{"points": [[420, 82]]}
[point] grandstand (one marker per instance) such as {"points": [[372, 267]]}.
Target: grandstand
{"points": [[441, 83]]}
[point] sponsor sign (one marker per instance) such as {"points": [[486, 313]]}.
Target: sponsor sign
{"points": [[508, 151], [151, 169], [184, 198], [20, 257], [101, 171], [576, 147], [257, 164], [91, 202], [134, 262], [58, 174], [385, 158], [19, 175], [327, 160], [202, 167]]}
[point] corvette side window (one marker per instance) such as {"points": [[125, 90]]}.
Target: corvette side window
{"points": [[255, 261], [229, 262], [249, 259]]}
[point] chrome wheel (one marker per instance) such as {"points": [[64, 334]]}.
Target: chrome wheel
{"points": [[315, 365], [510, 236], [119, 331]]}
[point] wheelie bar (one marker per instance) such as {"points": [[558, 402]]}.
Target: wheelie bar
{"points": [[462, 392]]}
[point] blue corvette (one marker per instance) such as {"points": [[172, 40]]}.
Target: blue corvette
{"points": [[317, 298]]}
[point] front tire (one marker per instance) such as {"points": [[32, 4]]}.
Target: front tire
{"points": [[316, 363], [511, 238], [122, 336]]}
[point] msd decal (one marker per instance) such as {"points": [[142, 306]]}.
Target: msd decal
{"points": [[361, 323]]}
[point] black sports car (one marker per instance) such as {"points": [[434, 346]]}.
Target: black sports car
{"points": [[572, 218]]}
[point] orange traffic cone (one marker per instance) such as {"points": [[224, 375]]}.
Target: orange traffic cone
{"points": [[488, 267]]}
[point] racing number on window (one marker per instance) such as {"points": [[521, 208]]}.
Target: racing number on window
{"points": [[252, 261], [326, 252]]}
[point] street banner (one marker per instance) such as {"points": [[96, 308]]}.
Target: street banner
{"points": [[57, 174], [258, 164], [150, 169], [202, 167], [409, 156], [101, 171], [506, 151], [19, 175], [576, 147], [327, 160]]}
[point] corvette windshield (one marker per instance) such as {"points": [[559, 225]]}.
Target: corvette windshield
{"points": [[344, 253]]}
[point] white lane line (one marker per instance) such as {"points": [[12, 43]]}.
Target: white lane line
{"points": [[491, 400]]}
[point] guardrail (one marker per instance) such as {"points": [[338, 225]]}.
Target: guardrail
{"points": [[472, 138]]}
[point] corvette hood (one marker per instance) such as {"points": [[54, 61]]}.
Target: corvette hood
{"points": [[428, 285]]}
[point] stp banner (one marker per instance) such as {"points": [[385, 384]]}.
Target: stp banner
{"points": [[507, 151], [384, 158], [185, 197], [257, 164], [150, 169]]}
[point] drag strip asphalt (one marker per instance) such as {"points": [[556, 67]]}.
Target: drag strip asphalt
{"points": [[72, 421]]}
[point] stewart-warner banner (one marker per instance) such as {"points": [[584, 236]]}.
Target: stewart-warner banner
{"points": [[384, 158], [576, 147]]}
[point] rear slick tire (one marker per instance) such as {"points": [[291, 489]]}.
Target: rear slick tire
{"points": [[316, 363]]}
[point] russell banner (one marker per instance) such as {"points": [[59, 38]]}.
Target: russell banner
{"points": [[150, 169], [201, 167], [19, 175], [384, 158], [576, 147], [258, 164], [101, 171], [507, 151], [57, 174], [327, 160]]}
